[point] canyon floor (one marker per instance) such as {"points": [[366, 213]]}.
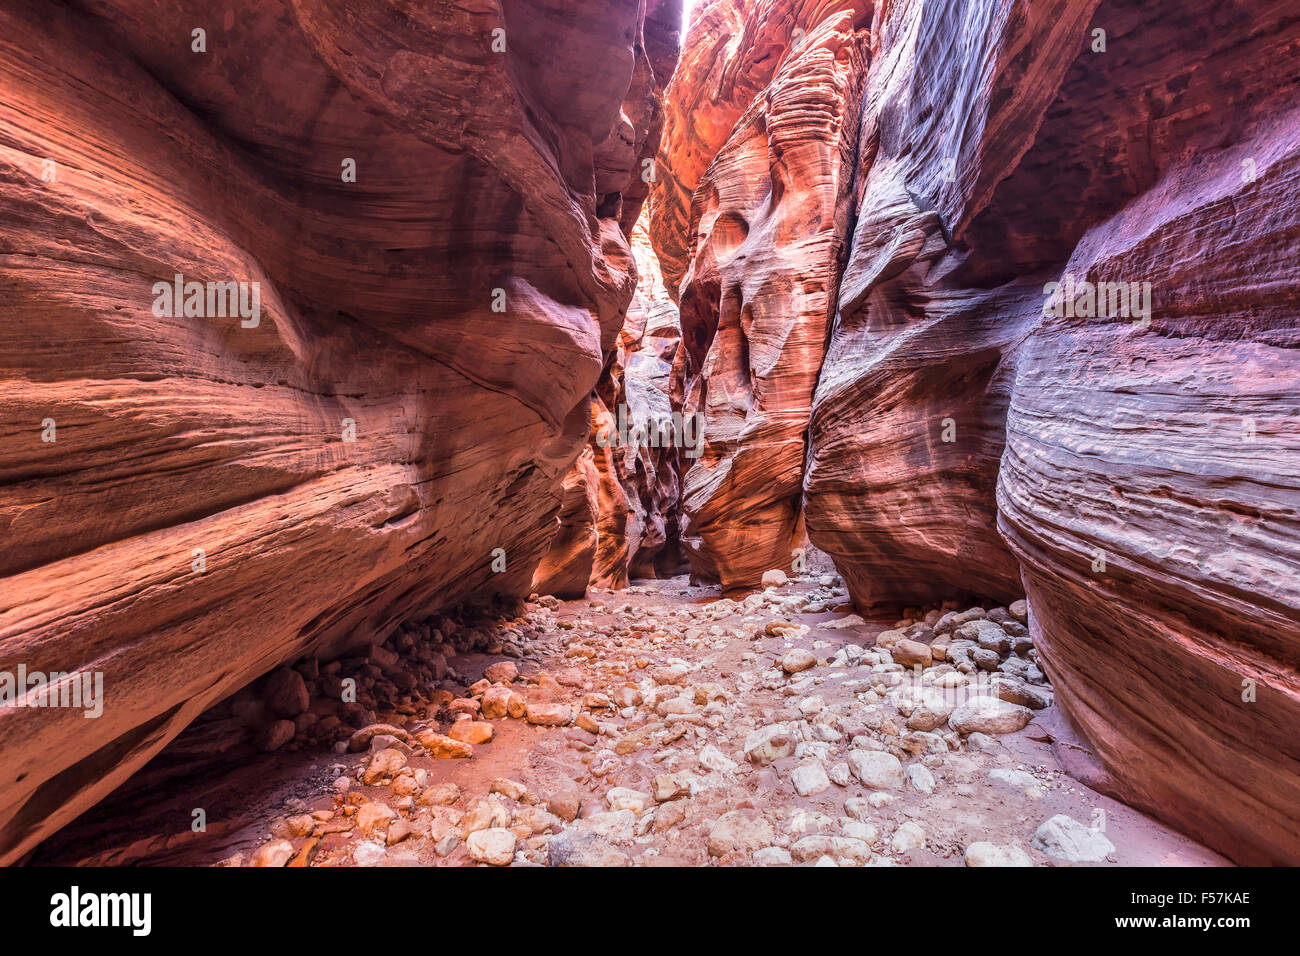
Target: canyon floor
{"points": [[657, 725]]}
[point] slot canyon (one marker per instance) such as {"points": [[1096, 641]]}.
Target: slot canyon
{"points": [[603, 433]]}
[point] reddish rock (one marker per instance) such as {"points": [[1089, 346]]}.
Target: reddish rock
{"points": [[768, 222], [222, 496], [566, 567], [1134, 476]]}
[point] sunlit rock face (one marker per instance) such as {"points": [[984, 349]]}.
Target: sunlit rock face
{"points": [[1134, 470], [566, 566], [768, 222], [217, 493], [638, 383], [630, 468], [909, 420], [1127, 459]]}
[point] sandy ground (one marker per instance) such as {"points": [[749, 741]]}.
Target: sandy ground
{"points": [[669, 683]]}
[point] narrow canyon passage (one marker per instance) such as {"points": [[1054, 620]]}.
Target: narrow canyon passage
{"points": [[659, 724], [566, 432]]}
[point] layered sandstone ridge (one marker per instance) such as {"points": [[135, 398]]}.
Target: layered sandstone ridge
{"points": [[769, 219], [1137, 473], [221, 495]]}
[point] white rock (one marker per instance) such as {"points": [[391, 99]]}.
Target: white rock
{"points": [[810, 779], [774, 578], [919, 776], [772, 856], [811, 706], [495, 845], [739, 830], [711, 758], [840, 774], [367, 854], [908, 837], [1067, 839], [837, 849], [798, 659], [625, 798], [616, 826], [767, 744], [989, 715], [984, 853], [875, 769], [858, 830], [857, 807]]}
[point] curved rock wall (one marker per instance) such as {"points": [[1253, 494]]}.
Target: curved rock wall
{"points": [[190, 499], [1135, 472], [769, 219]]}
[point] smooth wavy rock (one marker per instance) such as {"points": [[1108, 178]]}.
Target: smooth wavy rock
{"points": [[1128, 463], [222, 494]]}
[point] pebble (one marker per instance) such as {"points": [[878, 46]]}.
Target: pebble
{"points": [[711, 758], [443, 747], [768, 744], [911, 653], [984, 853], [920, 777], [440, 795], [812, 849], [495, 845], [386, 763], [503, 672], [798, 659], [274, 735], [374, 817], [875, 769], [471, 731], [669, 786], [625, 798], [617, 826], [772, 856], [989, 715], [275, 853], [859, 830], [909, 836], [739, 830], [511, 789], [565, 804], [810, 779], [548, 715], [576, 848]]}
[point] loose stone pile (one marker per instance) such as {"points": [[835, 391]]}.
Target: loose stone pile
{"points": [[655, 726]]}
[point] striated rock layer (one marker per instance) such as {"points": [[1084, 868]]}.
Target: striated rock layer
{"points": [[188, 497], [964, 442], [628, 527], [1133, 465], [768, 222]]}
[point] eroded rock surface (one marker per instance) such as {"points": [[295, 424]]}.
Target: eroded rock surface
{"points": [[1130, 463], [199, 510], [767, 224]]}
